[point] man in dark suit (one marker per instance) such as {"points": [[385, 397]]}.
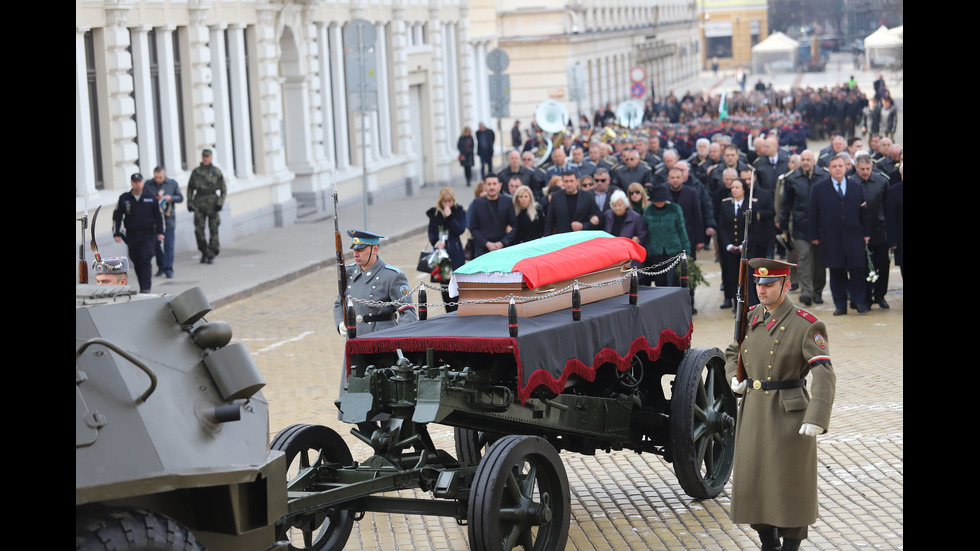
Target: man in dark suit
{"points": [[875, 187], [490, 218], [527, 176], [571, 209], [837, 221], [769, 168], [484, 148]]}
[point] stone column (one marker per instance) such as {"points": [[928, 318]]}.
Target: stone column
{"points": [[438, 88], [200, 108], [404, 135], [466, 68], [384, 92], [84, 150], [326, 92], [270, 157], [238, 89], [122, 153], [340, 96], [221, 93], [143, 95], [169, 114]]}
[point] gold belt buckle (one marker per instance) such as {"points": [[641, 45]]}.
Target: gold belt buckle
{"points": [[757, 384], [359, 318]]}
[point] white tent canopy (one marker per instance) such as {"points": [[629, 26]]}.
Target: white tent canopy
{"points": [[777, 53], [884, 46]]}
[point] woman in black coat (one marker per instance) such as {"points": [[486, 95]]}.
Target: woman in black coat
{"points": [[447, 222], [530, 216], [466, 147], [623, 221]]}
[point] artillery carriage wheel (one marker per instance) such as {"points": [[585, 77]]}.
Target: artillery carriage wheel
{"points": [[702, 423], [104, 528], [471, 444], [311, 446], [519, 497]]}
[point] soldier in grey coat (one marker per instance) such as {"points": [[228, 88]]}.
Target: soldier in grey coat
{"points": [[369, 278], [774, 484]]}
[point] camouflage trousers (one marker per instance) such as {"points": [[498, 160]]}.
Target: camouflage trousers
{"points": [[211, 219]]}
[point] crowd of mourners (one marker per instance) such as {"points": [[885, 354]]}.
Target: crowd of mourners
{"points": [[677, 181]]}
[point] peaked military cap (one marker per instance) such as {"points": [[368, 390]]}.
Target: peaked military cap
{"points": [[112, 265], [360, 239], [767, 270]]}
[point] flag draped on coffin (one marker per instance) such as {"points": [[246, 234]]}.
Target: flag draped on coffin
{"points": [[550, 259]]}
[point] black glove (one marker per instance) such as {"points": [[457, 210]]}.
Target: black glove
{"points": [[190, 208], [217, 208]]}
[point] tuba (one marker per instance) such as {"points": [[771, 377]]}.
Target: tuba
{"points": [[629, 114], [552, 117]]}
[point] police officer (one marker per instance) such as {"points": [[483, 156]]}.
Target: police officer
{"points": [[206, 193], [370, 278], [775, 475], [111, 271], [139, 221]]}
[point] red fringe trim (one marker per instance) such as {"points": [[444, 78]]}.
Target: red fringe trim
{"points": [[606, 355]]}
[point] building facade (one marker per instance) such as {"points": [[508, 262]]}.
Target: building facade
{"points": [[268, 86]]}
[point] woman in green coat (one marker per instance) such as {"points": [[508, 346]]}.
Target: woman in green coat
{"points": [[668, 235]]}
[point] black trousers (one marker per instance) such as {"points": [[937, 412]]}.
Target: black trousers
{"points": [[881, 262], [142, 249]]}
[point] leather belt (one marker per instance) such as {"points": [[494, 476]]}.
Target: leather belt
{"points": [[756, 384], [361, 318]]}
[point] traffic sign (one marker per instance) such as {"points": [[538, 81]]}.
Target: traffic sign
{"points": [[638, 74], [637, 90], [497, 60]]}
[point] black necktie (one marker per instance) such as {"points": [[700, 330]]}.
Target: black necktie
{"points": [[840, 192], [765, 316]]}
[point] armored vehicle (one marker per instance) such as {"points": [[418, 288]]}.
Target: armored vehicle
{"points": [[171, 431]]}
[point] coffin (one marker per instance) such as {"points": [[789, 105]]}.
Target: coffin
{"points": [[539, 275]]}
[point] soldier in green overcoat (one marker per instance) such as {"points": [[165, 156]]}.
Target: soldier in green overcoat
{"points": [[775, 469], [206, 193]]}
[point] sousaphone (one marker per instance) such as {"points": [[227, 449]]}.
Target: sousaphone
{"points": [[552, 118], [629, 114]]}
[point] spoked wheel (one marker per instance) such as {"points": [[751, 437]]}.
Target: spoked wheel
{"points": [[472, 444], [308, 447], [702, 423], [520, 497]]}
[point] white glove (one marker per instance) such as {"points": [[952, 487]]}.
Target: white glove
{"points": [[809, 429], [342, 329], [737, 387]]}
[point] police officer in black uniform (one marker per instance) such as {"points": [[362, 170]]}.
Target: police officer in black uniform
{"points": [[138, 221]]}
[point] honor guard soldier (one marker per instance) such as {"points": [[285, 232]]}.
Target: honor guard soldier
{"points": [[775, 475], [370, 278], [111, 271]]}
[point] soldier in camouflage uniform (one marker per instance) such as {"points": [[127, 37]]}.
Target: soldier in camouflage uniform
{"points": [[206, 193]]}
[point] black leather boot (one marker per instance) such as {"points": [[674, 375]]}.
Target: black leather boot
{"points": [[791, 544], [770, 539]]}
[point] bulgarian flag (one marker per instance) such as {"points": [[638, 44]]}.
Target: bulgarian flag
{"points": [[549, 259]]}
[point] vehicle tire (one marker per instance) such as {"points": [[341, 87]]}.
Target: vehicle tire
{"points": [[471, 444], [702, 423], [121, 528], [308, 447], [519, 497]]}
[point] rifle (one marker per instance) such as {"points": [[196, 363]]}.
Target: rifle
{"points": [[341, 269], [741, 312], [82, 263]]}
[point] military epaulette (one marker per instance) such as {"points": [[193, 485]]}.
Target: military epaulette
{"points": [[393, 268], [752, 307], [647, 165], [806, 315]]}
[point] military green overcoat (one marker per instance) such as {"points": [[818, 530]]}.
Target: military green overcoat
{"points": [[774, 479]]}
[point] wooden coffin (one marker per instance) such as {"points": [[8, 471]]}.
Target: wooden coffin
{"points": [[544, 299]]}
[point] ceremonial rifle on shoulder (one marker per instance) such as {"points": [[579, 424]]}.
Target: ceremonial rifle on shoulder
{"points": [[741, 311], [342, 271]]}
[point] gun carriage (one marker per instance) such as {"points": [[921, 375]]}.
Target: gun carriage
{"points": [[617, 373]]}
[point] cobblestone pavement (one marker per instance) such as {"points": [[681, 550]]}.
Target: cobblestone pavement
{"points": [[620, 500]]}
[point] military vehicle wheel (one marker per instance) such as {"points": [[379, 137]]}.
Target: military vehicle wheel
{"points": [[120, 528], [519, 497], [471, 444], [307, 447], [702, 423]]}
